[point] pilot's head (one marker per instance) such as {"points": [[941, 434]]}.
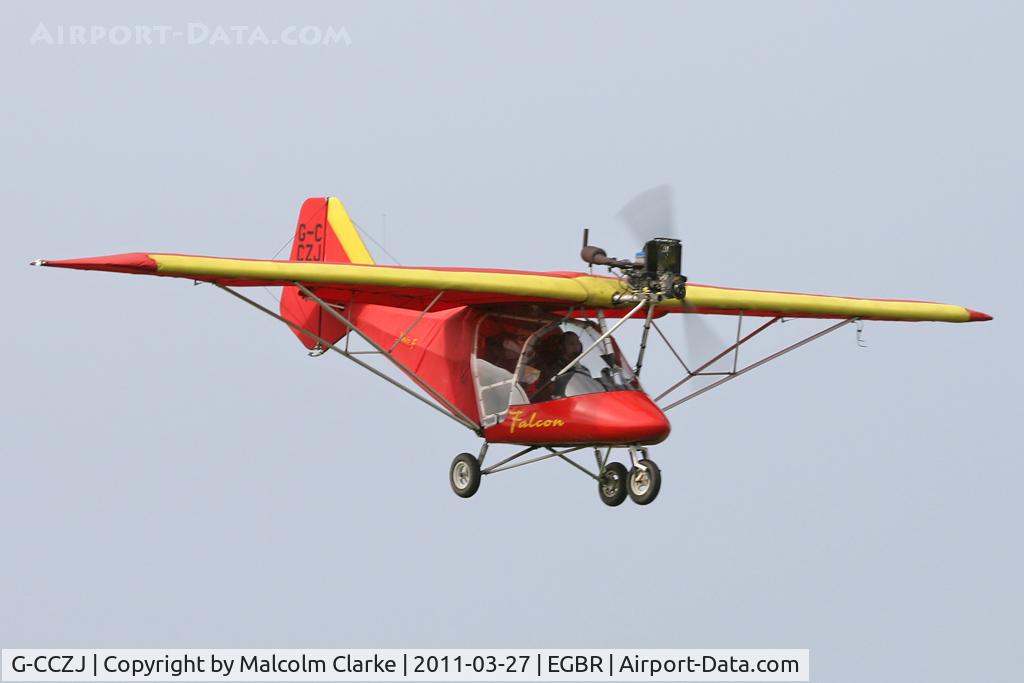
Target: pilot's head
{"points": [[571, 345]]}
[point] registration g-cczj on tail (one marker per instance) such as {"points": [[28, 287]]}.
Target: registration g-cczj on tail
{"points": [[517, 357]]}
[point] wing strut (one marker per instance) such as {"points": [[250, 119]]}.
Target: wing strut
{"points": [[690, 374], [380, 349], [398, 340], [643, 339], [453, 412], [736, 373]]}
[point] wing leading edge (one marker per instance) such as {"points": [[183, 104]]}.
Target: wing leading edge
{"points": [[413, 287], [729, 301]]}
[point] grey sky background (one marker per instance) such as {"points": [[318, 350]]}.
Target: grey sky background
{"points": [[176, 472]]}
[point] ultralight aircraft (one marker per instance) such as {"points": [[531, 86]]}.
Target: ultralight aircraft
{"points": [[517, 357]]}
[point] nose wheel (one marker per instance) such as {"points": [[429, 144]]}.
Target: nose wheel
{"points": [[644, 482], [641, 483]]}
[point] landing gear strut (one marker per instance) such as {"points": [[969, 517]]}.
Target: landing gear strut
{"points": [[644, 480]]}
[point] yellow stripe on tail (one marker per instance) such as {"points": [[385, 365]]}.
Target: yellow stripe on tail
{"points": [[345, 230]]}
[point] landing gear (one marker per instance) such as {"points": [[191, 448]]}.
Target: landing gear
{"points": [[611, 486], [614, 481], [644, 482], [464, 475]]}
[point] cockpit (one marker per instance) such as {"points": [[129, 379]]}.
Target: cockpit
{"points": [[520, 361]]}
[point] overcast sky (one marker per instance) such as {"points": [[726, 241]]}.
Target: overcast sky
{"points": [[176, 472]]}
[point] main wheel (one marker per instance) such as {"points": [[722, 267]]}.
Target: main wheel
{"points": [[644, 484], [464, 475], [612, 484]]}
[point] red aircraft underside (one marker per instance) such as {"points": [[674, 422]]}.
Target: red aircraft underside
{"points": [[612, 418]]}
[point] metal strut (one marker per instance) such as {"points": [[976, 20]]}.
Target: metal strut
{"points": [[671, 348], [643, 339], [604, 335], [734, 375], [739, 331], [572, 462], [416, 322], [503, 465], [694, 373], [399, 364], [329, 346]]}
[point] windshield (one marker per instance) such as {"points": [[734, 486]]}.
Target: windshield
{"points": [[517, 360], [555, 346]]}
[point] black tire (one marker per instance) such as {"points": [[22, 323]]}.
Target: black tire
{"points": [[464, 475], [611, 487], [643, 485]]}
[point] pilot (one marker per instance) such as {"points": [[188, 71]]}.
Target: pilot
{"points": [[503, 350], [577, 379], [547, 358]]}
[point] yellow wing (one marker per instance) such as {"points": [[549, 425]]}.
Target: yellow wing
{"points": [[410, 287], [727, 301]]}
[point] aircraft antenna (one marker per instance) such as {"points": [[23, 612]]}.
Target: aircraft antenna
{"points": [[586, 240]]}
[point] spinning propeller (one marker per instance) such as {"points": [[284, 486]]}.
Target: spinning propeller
{"points": [[650, 218], [651, 214]]}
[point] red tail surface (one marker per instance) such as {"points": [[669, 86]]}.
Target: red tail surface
{"points": [[326, 234]]}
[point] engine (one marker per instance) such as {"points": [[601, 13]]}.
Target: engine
{"points": [[655, 273]]}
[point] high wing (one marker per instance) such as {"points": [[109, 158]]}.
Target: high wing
{"points": [[344, 283], [413, 287], [729, 301]]}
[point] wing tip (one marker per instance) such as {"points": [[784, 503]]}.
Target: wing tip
{"points": [[122, 263]]}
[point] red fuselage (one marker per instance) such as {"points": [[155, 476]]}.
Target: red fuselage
{"points": [[440, 348], [606, 419]]}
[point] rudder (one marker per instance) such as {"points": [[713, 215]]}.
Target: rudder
{"points": [[324, 234]]}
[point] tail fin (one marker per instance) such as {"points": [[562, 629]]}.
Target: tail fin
{"points": [[324, 233]]}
